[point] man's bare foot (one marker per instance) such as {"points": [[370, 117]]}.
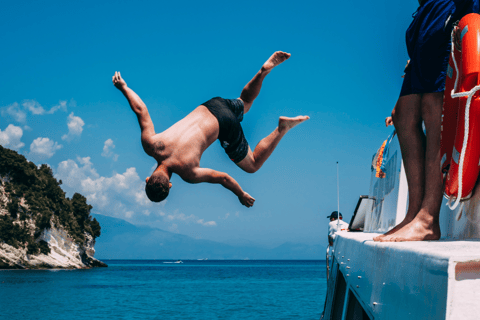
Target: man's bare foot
{"points": [[416, 230], [276, 58], [118, 81], [285, 123]]}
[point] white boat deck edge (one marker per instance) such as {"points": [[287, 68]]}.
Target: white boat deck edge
{"points": [[411, 280]]}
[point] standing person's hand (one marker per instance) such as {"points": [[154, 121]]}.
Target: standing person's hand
{"points": [[388, 121]]}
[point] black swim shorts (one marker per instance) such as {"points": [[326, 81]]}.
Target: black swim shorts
{"points": [[229, 113]]}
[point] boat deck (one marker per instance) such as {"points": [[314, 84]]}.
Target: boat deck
{"points": [[410, 280]]}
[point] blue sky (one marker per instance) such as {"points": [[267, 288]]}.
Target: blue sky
{"points": [[58, 105]]}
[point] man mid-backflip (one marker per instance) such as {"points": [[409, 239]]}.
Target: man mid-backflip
{"points": [[179, 148]]}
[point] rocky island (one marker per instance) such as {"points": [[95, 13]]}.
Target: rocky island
{"points": [[40, 228]]}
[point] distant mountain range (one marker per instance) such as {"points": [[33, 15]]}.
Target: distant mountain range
{"points": [[120, 239]]}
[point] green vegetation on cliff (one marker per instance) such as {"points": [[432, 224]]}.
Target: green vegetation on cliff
{"points": [[32, 194]]}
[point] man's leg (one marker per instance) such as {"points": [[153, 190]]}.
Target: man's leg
{"points": [[252, 89], [425, 223], [254, 160]]}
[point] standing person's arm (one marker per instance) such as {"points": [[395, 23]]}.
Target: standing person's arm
{"points": [[140, 109]]}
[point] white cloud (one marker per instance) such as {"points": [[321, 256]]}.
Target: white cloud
{"points": [[191, 218], [43, 148], [173, 228], [72, 174], [61, 105], [75, 127], [18, 113], [35, 108], [181, 216], [207, 224], [226, 216], [121, 195], [15, 112], [108, 150], [72, 103], [10, 137], [118, 183]]}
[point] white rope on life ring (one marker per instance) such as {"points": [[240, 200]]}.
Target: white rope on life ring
{"points": [[467, 124]]}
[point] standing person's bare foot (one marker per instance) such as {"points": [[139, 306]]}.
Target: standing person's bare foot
{"points": [[421, 228], [285, 123], [397, 227], [276, 58]]}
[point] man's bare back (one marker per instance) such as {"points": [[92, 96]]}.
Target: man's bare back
{"points": [[186, 141], [179, 148]]}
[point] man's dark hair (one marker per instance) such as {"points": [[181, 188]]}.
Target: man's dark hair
{"points": [[158, 187]]}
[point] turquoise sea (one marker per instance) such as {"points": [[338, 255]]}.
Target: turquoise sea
{"points": [[152, 289]]}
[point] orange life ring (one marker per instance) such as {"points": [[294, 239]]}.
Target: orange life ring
{"points": [[464, 154], [449, 114]]}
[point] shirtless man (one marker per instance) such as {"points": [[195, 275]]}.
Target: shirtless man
{"points": [[179, 148]]}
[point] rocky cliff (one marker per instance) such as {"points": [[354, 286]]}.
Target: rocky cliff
{"points": [[39, 226]]}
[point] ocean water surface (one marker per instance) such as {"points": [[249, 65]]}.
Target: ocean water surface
{"points": [[152, 289]]}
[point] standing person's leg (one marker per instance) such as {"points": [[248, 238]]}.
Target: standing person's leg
{"points": [[407, 119], [432, 105], [254, 160], [252, 89], [425, 224]]}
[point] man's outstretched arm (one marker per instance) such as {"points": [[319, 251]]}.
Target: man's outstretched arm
{"points": [[212, 176], [137, 105]]}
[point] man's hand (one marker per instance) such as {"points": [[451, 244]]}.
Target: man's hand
{"points": [[118, 81], [246, 199]]}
